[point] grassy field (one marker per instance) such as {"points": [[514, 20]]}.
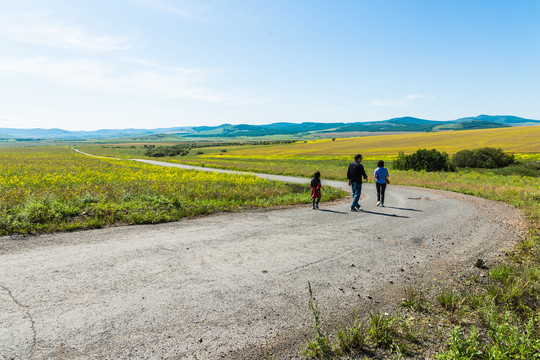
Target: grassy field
{"points": [[53, 188], [514, 140]]}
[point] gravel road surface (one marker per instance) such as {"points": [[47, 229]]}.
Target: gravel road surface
{"points": [[229, 285]]}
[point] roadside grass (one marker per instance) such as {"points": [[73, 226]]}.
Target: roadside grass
{"points": [[414, 299], [490, 317], [53, 189], [381, 335]]}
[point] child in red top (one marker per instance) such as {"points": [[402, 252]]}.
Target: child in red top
{"points": [[316, 189]]}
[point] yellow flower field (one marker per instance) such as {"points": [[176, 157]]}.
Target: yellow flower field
{"points": [[515, 140], [45, 189]]}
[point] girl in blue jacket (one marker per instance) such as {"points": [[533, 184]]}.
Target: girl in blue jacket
{"points": [[381, 179]]}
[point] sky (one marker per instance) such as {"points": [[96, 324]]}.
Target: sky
{"points": [[88, 65]]}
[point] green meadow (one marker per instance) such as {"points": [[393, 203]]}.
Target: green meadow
{"points": [[45, 189]]}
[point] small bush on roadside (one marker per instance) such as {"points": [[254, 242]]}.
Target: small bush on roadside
{"points": [[461, 347], [530, 169], [380, 329], [352, 338], [450, 299], [487, 157], [414, 299], [511, 341], [504, 340], [423, 159], [321, 346], [502, 273]]}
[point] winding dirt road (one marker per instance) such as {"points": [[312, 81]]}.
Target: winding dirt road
{"points": [[229, 285]]}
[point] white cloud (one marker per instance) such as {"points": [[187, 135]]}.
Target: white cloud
{"points": [[40, 29], [149, 80], [406, 100]]}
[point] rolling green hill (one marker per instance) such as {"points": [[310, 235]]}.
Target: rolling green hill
{"points": [[281, 129]]}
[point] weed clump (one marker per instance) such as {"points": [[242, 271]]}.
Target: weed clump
{"points": [[320, 346], [490, 317]]}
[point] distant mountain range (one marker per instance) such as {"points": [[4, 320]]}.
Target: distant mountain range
{"points": [[402, 124], [10, 133]]}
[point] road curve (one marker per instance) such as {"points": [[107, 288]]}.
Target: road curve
{"points": [[227, 285]]}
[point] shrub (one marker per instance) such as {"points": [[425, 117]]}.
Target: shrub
{"points": [[352, 338], [414, 299], [461, 347], [161, 151], [450, 299], [156, 154], [489, 158], [321, 346], [464, 158], [380, 329], [423, 159]]}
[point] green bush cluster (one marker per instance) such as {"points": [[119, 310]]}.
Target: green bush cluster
{"points": [[433, 160], [423, 159], [161, 151], [487, 157]]}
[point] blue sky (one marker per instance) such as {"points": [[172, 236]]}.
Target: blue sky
{"points": [[86, 65]]}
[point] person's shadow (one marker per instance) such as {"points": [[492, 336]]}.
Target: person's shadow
{"points": [[383, 214], [333, 211], [406, 209]]}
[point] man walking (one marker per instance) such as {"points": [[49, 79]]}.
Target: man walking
{"points": [[355, 173]]}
